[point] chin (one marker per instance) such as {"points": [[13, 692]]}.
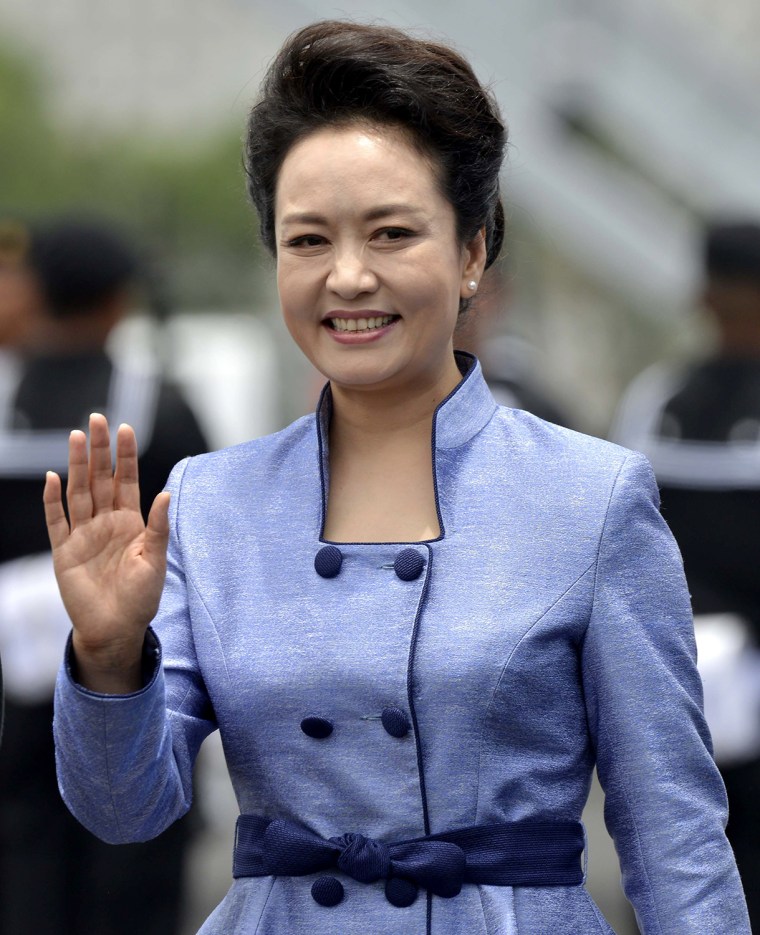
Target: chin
{"points": [[364, 381], [362, 377]]}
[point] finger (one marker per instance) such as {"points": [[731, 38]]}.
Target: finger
{"points": [[55, 517], [100, 473], [126, 481], [78, 494], [157, 530]]}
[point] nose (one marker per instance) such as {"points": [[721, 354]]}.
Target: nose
{"points": [[350, 275]]}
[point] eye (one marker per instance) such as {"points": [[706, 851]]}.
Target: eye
{"points": [[306, 240], [393, 234]]}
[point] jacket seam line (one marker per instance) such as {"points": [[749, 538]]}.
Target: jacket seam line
{"points": [[642, 858], [504, 669], [189, 582], [603, 924], [482, 909], [619, 782], [198, 594], [180, 705], [604, 528], [264, 907]]}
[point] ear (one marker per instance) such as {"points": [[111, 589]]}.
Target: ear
{"points": [[473, 264]]}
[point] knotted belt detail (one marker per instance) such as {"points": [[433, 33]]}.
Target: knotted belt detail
{"points": [[523, 853]]}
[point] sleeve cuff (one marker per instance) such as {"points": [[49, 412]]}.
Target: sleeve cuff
{"points": [[151, 666]]}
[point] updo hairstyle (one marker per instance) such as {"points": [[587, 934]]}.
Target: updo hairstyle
{"points": [[335, 73]]}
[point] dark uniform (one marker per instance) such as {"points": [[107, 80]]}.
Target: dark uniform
{"points": [[55, 877]]}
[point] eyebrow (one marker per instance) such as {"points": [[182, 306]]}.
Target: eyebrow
{"points": [[374, 214]]}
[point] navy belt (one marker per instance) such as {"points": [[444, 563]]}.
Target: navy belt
{"points": [[520, 853]]}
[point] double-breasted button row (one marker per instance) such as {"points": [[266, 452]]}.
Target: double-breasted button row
{"points": [[395, 721], [317, 727], [328, 561], [329, 892], [408, 564]]}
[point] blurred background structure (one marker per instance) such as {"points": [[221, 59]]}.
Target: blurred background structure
{"points": [[631, 122]]}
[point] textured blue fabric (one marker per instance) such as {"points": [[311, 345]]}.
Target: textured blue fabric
{"points": [[549, 630]]}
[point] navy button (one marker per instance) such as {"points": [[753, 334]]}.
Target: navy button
{"points": [[327, 891], [400, 892], [328, 560], [395, 722], [409, 564], [316, 727]]}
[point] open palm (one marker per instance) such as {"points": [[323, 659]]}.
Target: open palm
{"points": [[109, 564]]}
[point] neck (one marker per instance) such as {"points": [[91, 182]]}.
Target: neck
{"points": [[364, 419]]}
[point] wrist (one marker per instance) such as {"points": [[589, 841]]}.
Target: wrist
{"points": [[115, 668]]}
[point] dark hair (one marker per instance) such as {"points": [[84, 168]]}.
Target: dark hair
{"points": [[80, 263], [732, 249], [337, 73]]}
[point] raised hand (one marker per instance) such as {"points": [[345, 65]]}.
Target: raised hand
{"points": [[109, 564]]}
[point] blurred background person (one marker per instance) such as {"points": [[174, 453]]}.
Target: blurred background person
{"points": [[699, 423], [20, 307], [56, 878], [19, 302]]}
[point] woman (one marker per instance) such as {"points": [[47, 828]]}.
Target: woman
{"points": [[414, 661]]}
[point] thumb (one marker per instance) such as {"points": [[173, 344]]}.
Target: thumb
{"points": [[157, 529]]}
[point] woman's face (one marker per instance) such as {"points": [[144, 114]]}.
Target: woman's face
{"points": [[369, 269]]}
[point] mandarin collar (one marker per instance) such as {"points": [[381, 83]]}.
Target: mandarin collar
{"points": [[457, 419]]}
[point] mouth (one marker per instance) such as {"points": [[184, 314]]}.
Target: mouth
{"points": [[371, 323]]}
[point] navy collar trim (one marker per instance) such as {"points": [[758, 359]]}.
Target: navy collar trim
{"points": [[458, 418]]}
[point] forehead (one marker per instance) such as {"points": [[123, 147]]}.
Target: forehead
{"points": [[341, 166]]}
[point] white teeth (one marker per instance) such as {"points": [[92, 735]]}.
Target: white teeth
{"points": [[360, 324]]}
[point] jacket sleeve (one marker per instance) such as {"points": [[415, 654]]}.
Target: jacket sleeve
{"points": [[665, 805], [125, 761]]}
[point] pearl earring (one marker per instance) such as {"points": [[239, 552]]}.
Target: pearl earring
{"points": [[472, 285]]}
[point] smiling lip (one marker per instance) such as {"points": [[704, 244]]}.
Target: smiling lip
{"points": [[358, 327]]}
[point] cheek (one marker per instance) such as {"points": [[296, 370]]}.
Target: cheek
{"points": [[438, 292], [288, 306], [292, 288], [302, 336]]}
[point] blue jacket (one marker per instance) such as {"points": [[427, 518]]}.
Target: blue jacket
{"points": [[548, 630]]}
